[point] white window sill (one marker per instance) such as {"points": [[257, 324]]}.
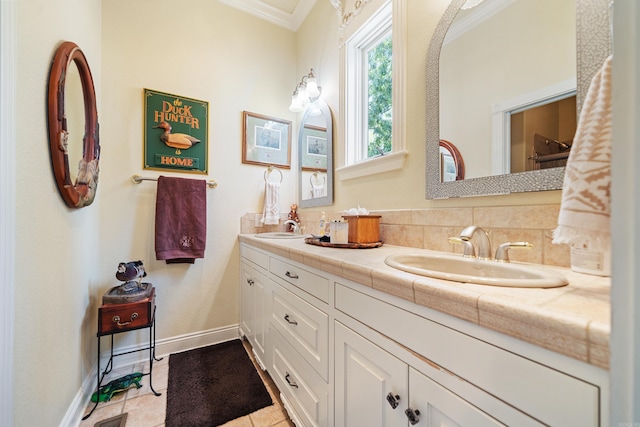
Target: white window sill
{"points": [[386, 163]]}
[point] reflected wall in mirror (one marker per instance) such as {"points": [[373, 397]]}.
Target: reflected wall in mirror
{"points": [[73, 126], [481, 70], [489, 63], [315, 156]]}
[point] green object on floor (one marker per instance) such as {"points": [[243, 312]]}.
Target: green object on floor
{"points": [[106, 392]]}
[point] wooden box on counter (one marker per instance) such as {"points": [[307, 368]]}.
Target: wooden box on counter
{"points": [[113, 318], [363, 228]]}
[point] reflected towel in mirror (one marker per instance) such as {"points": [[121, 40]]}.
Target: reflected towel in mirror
{"points": [[318, 191]]}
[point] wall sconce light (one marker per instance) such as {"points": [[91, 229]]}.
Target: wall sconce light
{"points": [[306, 92]]}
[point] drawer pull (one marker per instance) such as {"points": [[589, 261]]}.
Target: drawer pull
{"points": [[413, 416], [250, 282], [116, 320], [394, 400], [291, 383], [291, 275], [289, 321]]}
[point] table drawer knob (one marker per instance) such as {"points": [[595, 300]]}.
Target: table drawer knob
{"points": [[116, 320]]}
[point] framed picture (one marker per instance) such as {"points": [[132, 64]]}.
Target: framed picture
{"points": [[314, 148], [175, 132], [266, 140], [447, 167]]}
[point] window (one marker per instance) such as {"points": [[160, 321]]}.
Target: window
{"points": [[378, 97], [372, 86]]}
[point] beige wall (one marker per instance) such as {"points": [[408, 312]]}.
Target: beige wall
{"points": [[66, 259], [205, 50], [400, 189], [57, 250]]}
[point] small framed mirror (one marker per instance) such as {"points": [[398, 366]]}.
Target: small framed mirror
{"points": [[71, 97], [315, 156]]}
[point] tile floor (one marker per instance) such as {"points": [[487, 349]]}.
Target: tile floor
{"points": [[146, 410]]}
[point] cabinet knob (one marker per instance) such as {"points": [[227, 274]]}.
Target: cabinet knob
{"points": [[291, 383], [393, 399], [289, 321], [413, 416], [250, 282], [291, 275]]}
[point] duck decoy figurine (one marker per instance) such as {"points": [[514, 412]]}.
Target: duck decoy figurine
{"points": [[176, 140]]}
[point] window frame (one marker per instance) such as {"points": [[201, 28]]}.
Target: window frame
{"points": [[389, 17]]}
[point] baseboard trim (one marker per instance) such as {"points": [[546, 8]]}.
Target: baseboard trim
{"points": [[164, 347]]}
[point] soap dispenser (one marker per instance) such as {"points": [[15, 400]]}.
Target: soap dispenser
{"points": [[323, 221]]}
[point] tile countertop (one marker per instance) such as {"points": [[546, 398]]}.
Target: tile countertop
{"points": [[573, 320]]}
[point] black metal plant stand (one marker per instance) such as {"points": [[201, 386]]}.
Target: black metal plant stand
{"points": [[152, 355]]}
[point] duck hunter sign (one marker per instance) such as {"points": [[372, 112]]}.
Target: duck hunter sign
{"points": [[175, 132]]}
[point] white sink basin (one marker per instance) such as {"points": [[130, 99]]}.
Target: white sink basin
{"points": [[280, 235], [468, 270]]}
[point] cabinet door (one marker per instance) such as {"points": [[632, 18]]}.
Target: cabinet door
{"points": [[435, 406], [246, 301], [364, 376], [254, 310]]}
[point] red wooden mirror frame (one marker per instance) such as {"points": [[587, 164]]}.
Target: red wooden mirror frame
{"points": [[81, 192]]}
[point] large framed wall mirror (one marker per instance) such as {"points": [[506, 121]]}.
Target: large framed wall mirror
{"points": [[74, 142], [315, 156], [505, 84]]}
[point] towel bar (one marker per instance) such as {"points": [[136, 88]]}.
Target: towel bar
{"points": [[317, 176], [137, 179], [269, 170]]}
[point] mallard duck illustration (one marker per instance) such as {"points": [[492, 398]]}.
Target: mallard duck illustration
{"points": [[176, 140]]}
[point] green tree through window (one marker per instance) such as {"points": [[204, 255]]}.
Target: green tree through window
{"points": [[380, 101]]}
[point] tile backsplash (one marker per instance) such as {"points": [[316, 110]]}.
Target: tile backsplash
{"points": [[431, 228]]}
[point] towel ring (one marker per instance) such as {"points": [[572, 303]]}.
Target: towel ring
{"points": [[269, 170], [316, 175]]}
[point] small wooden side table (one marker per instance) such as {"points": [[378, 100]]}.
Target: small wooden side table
{"points": [[117, 318]]}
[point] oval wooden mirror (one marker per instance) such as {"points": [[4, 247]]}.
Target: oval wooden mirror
{"points": [[78, 190], [451, 162]]}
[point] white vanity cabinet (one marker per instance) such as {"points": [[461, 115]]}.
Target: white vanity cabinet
{"points": [[377, 389], [254, 301], [346, 355], [299, 347], [475, 377]]}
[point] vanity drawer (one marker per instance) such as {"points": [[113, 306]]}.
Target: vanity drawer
{"points": [[299, 383], [312, 283], [259, 258], [305, 327]]}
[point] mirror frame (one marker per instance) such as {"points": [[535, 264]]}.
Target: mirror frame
{"points": [[82, 192], [592, 48], [328, 199]]}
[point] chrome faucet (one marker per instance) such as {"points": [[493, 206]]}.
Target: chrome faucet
{"points": [[294, 226], [502, 253], [484, 244]]}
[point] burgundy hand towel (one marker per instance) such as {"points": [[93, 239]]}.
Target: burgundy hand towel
{"points": [[181, 219]]}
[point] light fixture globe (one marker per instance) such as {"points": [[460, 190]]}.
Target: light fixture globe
{"points": [[312, 88]]}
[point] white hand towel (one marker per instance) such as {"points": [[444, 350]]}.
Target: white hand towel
{"points": [[271, 211], [585, 207], [318, 191]]}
